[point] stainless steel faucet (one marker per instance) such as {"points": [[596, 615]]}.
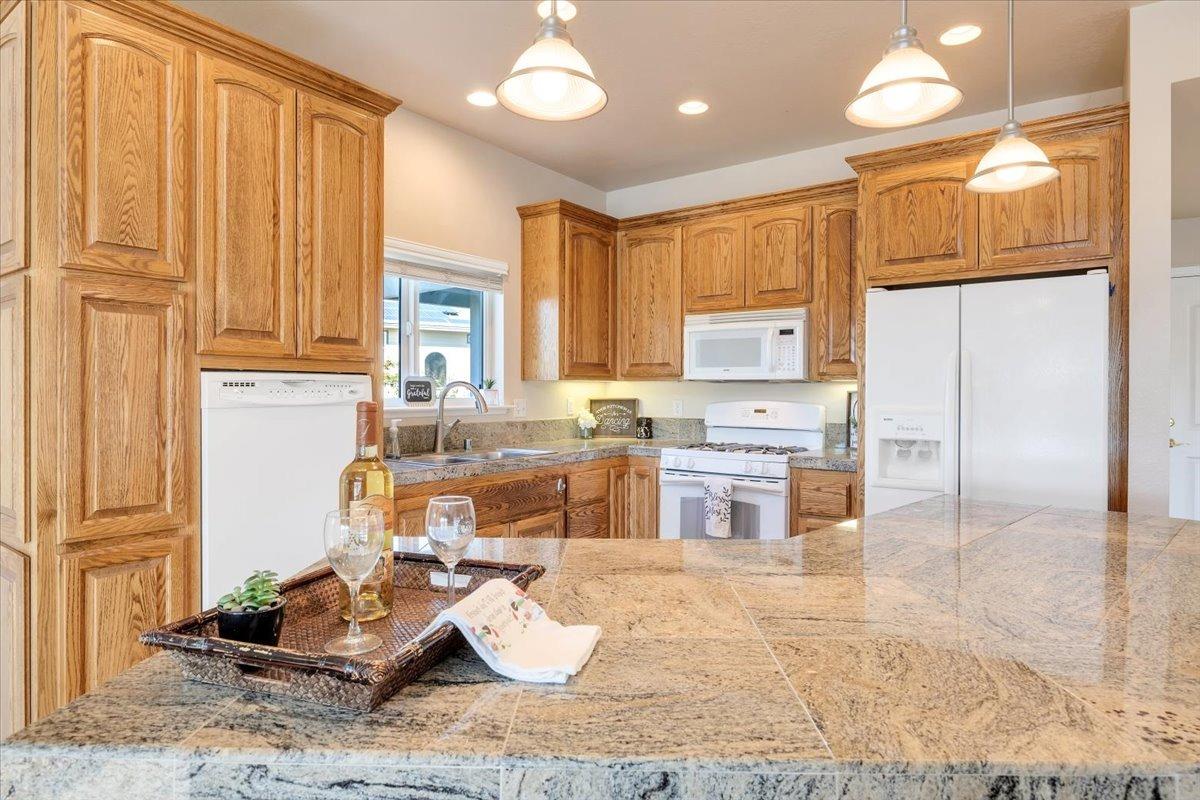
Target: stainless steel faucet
{"points": [[440, 429]]}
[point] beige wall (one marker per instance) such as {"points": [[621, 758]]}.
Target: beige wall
{"points": [[1185, 242], [1162, 50]]}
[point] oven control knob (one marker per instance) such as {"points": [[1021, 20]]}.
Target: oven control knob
{"points": [[749, 466], [691, 463]]}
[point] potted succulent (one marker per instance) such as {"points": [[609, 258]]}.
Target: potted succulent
{"points": [[252, 612], [587, 424], [490, 392]]}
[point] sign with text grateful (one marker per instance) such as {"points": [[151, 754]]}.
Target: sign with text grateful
{"points": [[418, 391], [615, 417]]}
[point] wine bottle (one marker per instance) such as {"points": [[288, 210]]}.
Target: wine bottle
{"points": [[367, 482]]}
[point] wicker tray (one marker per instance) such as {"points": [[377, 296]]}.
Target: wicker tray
{"points": [[299, 667]]}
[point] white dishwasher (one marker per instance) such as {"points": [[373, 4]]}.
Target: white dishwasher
{"points": [[273, 445]]}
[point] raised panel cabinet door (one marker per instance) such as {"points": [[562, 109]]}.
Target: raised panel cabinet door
{"points": [[112, 595], [835, 290], [589, 297], [126, 147], [13, 140], [246, 281], [341, 248], [650, 304], [714, 274], [643, 500], [492, 531], [128, 391], [919, 219], [14, 645], [543, 526], [13, 364], [779, 257], [618, 502], [588, 521], [1067, 219], [825, 493]]}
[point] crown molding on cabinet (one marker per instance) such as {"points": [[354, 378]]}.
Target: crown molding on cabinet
{"points": [[979, 141], [205, 32], [835, 191], [566, 207]]}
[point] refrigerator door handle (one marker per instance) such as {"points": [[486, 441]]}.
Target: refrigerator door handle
{"points": [[965, 418], [950, 436]]}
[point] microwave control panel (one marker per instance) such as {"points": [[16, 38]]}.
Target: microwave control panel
{"points": [[786, 350]]}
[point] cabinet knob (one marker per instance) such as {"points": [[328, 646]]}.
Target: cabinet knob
{"points": [[562, 485]]}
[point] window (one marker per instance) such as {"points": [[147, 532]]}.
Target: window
{"points": [[440, 323]]}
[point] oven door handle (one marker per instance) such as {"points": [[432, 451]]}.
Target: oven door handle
{"points": [[779, 488]]}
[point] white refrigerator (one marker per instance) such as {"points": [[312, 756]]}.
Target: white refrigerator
{"points": [[993, 391]]}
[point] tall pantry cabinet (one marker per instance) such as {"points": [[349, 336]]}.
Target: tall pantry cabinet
{"points": [[173, 196]]}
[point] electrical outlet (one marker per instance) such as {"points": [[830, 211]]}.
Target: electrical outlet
{"points": [[677, 408], [519, 407], [570, 406]]}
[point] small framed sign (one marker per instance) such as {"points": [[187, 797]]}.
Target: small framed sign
{"points": [[615, 417], [418, 391]]}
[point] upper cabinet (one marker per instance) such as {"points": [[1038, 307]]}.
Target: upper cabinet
{"points": [[13, 141], [126, 147], [836, 288], [650, 303], [714, 264], [1067, 219], [779, 256], [339, 239], [246, 280], [568, 292], [919, 219]]}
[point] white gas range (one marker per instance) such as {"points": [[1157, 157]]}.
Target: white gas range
{"points": [[749, 442]]}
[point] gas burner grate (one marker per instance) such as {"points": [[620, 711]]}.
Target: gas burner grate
{"points": [[749, 449]]}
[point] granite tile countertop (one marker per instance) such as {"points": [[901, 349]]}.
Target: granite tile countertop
{"points": [[833, 459], [948, 649]]}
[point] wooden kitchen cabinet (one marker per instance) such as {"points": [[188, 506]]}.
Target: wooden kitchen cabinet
{"points": [[13, 140], [618, 502], [246, 277], [339, 239], [14, 645], [779, 257], [1068, 219], [832, 316], [13, 433], [919, 219], [714, 264], [820, 498], [643, 497], [543, 526], [126, 153], [650, 302], [590, 521], [568, 293]]}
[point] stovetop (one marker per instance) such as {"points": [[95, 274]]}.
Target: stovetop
{"points": [[747, 449]]}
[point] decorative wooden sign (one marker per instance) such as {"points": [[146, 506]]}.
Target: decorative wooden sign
{"points": [[615, 417]]}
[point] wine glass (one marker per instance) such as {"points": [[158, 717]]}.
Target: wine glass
{"points": [[450, 528], [353, 543]]}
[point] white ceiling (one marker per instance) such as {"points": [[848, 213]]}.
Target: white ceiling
{"points": [[1185, 154], [776, 74]]}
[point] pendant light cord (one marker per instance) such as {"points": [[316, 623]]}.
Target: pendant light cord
{"points": [[1011, 115], [903, 13]]}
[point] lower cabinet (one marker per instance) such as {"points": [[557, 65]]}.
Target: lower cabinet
{"points": [[820, 498], [618, 502], [643, 497], [14, 618], [543, 526]]}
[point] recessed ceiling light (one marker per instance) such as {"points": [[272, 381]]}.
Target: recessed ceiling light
{"points": [[482, 99], [960, 34], [693, 107], [566, 10]]}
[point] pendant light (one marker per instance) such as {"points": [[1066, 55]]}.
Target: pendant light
{"points": [[551, 80], [907, 86], [1014, 162]]}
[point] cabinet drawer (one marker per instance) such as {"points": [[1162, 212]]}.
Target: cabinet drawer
{"points": [[826, 494], [492, 531], [588, 522], [587, 487], [515, 499]]}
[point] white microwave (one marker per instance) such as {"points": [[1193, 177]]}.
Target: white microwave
{"points": [[746, 346]]}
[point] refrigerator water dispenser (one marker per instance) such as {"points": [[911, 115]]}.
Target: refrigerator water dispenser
{"points": [[910, 448]]}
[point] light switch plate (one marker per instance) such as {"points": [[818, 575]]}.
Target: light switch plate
{"points": [[677, 408], [570, 406], [519, 407]]}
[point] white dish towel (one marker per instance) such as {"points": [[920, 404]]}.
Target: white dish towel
{"points": [[513, 635], [718, 507]]}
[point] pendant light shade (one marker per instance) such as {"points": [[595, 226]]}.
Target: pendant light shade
{"points": [[907, 86], [1014, 162], [552, 80]]}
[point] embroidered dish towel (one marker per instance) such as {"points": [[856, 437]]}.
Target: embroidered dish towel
{"points": [[513, 635], [718, 499]]}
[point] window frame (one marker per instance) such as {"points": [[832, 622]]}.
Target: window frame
{"points": [[450, 268]]}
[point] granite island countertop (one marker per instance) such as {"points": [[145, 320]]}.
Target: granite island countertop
{"points": [[947, 649], [570, 451]]}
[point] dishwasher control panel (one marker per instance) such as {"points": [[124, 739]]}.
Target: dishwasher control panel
{"points": [[267, 389]]}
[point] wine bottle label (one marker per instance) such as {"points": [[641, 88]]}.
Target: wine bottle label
{"points": [[380, 502]]}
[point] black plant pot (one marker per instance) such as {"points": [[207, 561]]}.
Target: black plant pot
{"points": [[256, 627]]}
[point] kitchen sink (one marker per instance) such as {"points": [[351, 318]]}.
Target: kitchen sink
{"points": [[426, 460], [508, 452]]}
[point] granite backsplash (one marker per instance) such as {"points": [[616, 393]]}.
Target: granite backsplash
{"points": [[490, 433]]}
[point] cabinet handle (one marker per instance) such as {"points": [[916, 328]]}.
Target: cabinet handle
{"points": [[562, 485]]}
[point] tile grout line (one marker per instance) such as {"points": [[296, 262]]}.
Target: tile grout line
{"points": [[783, 673]]}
